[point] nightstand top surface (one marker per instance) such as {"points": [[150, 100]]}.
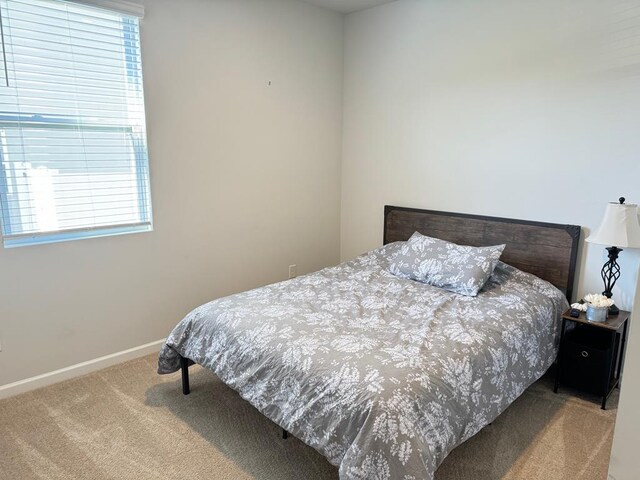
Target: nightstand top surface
{"points": [[612, 323]]}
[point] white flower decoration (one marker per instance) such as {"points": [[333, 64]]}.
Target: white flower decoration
{"points": [[598, 300]]}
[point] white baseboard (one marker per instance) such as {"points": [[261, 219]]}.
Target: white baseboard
{"points": [[78, 369]]}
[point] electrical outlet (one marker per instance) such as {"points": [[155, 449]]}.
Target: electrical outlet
{"points": [[293, 271]]}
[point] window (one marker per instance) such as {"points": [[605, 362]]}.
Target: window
{"points": [[73, 151]]}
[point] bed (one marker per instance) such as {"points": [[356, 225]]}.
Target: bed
{"points": [[383, 375]]}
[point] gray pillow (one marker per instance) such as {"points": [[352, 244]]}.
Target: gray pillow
{"points": [[456, 268]]}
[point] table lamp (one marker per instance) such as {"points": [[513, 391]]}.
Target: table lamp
{"points": [[619, 228]]}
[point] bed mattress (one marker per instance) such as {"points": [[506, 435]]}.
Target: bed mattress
{"points": [[383, 375]]}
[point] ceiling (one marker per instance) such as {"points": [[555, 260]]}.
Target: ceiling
{"points": [[347, 6]]}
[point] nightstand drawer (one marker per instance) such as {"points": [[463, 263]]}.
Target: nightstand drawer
{"points": [[587, 360]]}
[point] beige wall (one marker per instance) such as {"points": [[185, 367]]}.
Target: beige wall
{"points": [[625, 463], [245, 180], [517, 109]]}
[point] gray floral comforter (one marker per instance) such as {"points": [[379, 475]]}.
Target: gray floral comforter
{"points": [[383, 375]]}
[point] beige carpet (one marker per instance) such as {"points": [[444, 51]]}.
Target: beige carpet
{"points": [[126, 422]]}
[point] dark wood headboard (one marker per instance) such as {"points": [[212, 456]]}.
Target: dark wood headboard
{"points": [[548, 250]]}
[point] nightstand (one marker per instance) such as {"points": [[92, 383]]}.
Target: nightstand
{"points": [[591, 354]]}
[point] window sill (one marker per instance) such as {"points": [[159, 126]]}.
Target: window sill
{"points": [[42, 239]]}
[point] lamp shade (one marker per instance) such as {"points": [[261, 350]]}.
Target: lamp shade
{"points": [[619, 228]]}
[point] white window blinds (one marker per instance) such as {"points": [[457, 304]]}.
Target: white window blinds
{"points": [[73, 150]]}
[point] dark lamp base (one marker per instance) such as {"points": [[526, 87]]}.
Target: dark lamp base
{"points": [[610, 273]]}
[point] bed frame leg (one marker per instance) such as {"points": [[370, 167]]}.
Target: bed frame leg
{"points": [[285, 434], [184, 366]]}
